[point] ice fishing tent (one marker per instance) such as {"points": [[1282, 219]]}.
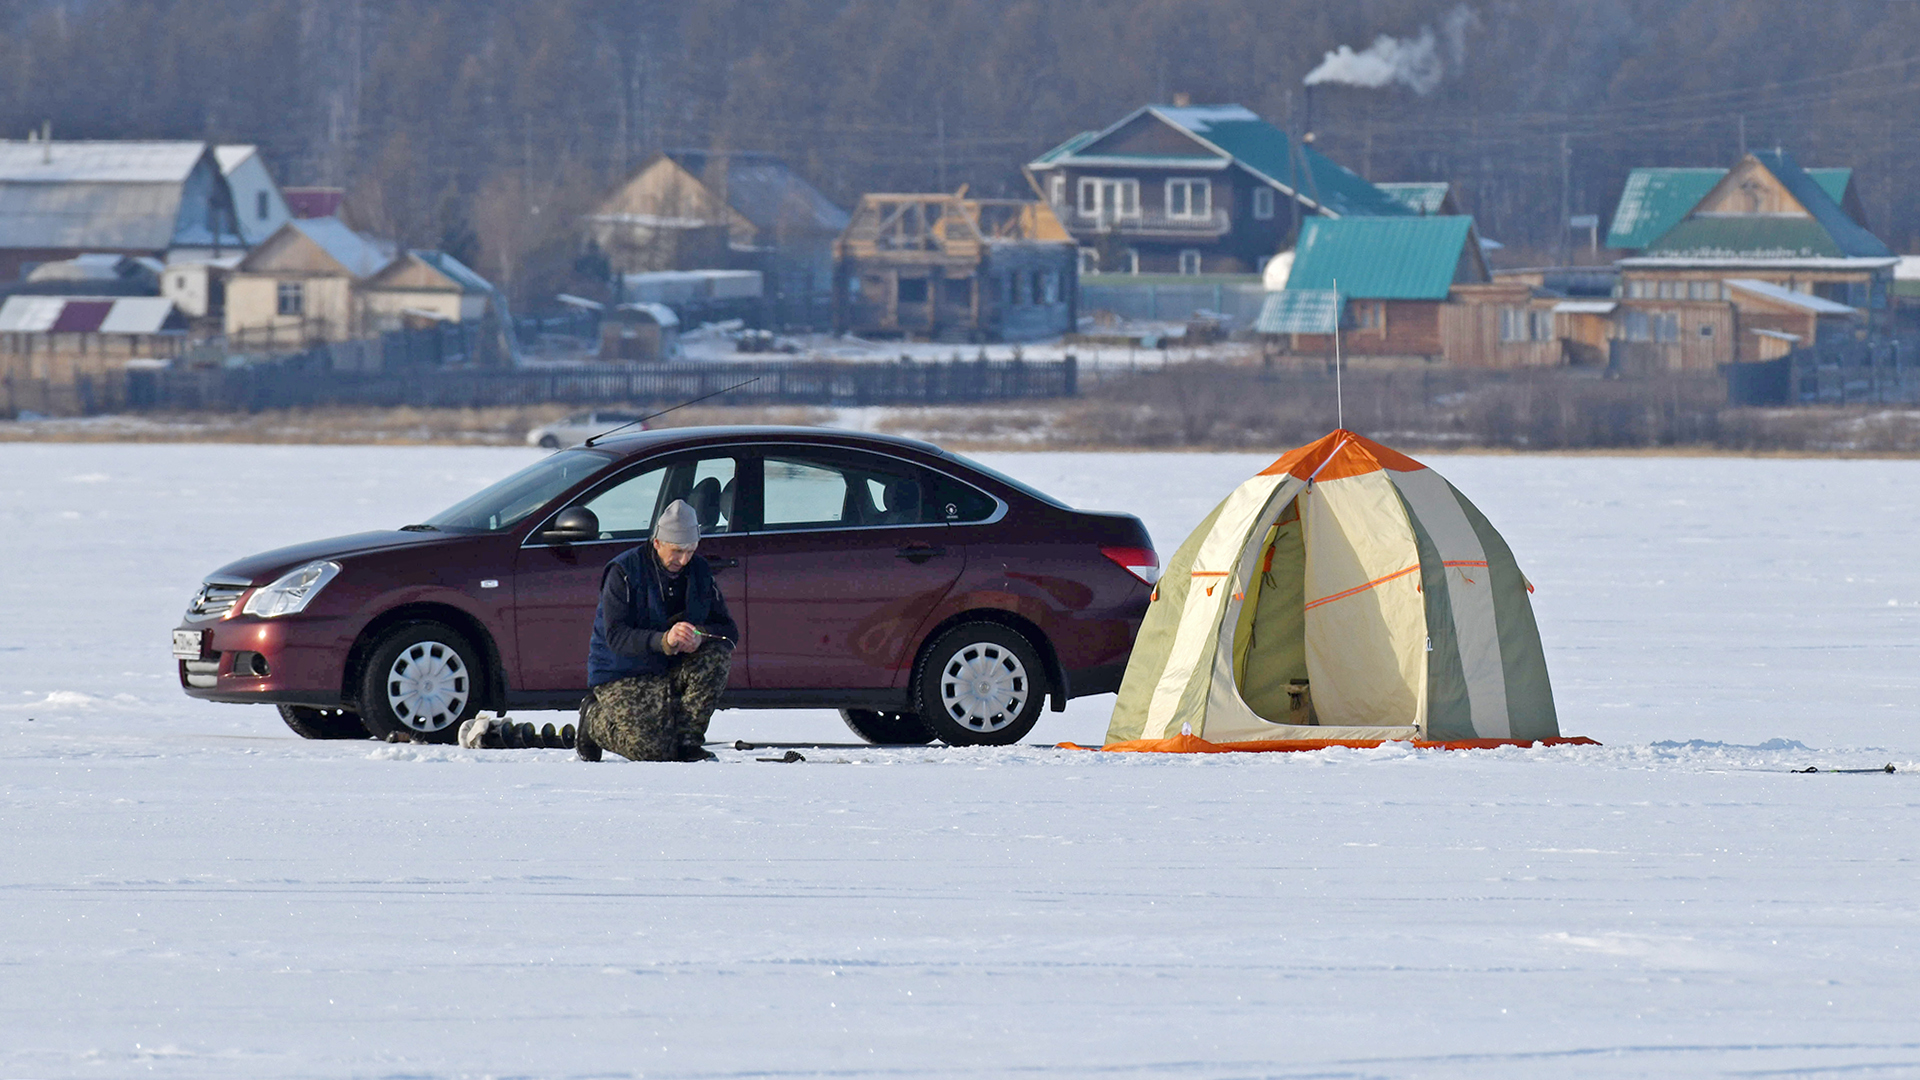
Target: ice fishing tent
{"points": [[1346, 594]]}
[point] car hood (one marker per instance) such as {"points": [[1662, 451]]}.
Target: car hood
{"points": [[264, 567]]}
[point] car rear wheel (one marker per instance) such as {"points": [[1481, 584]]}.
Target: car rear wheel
{"points": [[311, 723], [422, 680], [981, 684], [895, 728]]}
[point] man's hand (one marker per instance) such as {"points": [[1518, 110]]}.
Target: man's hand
{"points": [[682, 639]]}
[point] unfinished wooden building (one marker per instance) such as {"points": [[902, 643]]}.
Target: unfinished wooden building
{"points": [[949, 268]]}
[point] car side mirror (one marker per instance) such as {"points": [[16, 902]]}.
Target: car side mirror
{"points": [[575, 523]]}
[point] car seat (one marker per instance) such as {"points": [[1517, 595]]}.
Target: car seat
{"points": [[705, 500], [902, 496]]}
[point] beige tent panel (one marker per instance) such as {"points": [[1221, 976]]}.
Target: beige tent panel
{"points": [[1470, 593], [1366, 622]]}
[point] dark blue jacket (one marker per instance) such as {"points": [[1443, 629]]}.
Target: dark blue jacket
{"points": [[632, 615]]}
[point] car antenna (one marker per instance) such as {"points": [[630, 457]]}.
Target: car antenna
{"points": [[665, 411]]}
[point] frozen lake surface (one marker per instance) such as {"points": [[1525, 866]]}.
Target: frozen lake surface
{"points": [[191, 891]]}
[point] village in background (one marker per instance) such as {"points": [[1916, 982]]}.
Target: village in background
{"points": [[1179, 269]]}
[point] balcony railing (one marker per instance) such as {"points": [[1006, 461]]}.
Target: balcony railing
{"points": [[1149, 223]]}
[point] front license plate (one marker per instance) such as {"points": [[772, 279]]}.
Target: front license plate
{"points": [[186, 643]]}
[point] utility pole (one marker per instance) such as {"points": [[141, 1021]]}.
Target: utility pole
{"points": [[1566, 190]]}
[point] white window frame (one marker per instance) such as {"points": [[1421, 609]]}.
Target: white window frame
{"points": [[1196, 197], [1125, 193], [1263, 203], [294, 291], [1132, 259], [1089, 260], [1194, 253], [1057, 189]]}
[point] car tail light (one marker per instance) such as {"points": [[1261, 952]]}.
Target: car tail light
{"points": [[1140, 562]]}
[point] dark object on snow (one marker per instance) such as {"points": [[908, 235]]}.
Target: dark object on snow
{"points": [[585, 748], [1887, 768], [791, 755]]}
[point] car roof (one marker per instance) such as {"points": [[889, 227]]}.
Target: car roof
{"points": [[638, 442]]}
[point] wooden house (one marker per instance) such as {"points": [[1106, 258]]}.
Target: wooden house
{"points": [[1765, 220], [952, 268], [431, 285], [1193, 189], [699, 210], [1393, 276], [300, 286], [70, 354]]}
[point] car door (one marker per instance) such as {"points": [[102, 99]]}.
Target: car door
{"points": [[850, 559], [557, 586]]}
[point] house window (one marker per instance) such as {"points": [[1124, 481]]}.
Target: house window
{"points": [[1667, 327], [1109, 200], [1542, 324], [911, 291], [1057, 189], [1696, 290], [1050, 287], [1634, 326], [1263, 203], [1513, 324], [291, 297], [1190, 262], [1706, 330], [260, 205], [1089, 260], [1666, 290], [1189, 199], [1368, 315]]}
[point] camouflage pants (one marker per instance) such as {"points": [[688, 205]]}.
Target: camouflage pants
{"points": [[658, 717]]}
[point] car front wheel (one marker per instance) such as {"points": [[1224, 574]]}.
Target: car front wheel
{"points": [[887, 728], [981, 684], [549, 442], [422, 680], [311, 723]]}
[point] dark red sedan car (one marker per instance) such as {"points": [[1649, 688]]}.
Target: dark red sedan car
{"points": [[922, 594]]}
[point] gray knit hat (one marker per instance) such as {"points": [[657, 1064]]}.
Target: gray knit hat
{"points": [[678, 525]]}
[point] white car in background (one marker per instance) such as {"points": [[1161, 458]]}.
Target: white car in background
{"points": [[580, 427]]}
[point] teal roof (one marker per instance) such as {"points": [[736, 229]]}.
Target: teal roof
{"points": [[1404, 258], [1258, 147], [1655, 200], [1827, 234], [1066, 148], [1421, 197], [1298, 311]]}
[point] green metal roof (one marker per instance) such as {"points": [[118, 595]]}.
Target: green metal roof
{"points": [[1847, 234], [1298, 311], [1404, 258], [1746, 237], [1421, 197], [1655, 200], [1065, 148]]}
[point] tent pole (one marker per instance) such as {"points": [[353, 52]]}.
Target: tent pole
{"points": [[1339, 398]]}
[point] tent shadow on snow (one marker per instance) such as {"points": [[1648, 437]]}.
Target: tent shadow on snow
{"points": [[1346, 596]]}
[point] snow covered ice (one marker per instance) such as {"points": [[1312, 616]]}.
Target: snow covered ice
{"points": [[191, 891]]}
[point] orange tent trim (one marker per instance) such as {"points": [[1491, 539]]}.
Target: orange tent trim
{"points": [[1358, 589], [1194, 744]]}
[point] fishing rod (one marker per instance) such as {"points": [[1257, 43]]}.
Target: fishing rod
{"points": [[665, 411]]}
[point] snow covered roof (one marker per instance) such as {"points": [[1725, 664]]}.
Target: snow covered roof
{"points": [[1585, 307], [361, 256], [88, 315], [97, 161], [1782, 294], [128, 196], [233, 155]]}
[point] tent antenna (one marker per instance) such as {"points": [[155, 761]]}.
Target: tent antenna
{"points": [[1339, 397]]}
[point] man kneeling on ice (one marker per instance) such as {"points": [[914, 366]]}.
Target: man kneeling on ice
{"points": [[662, 647]]}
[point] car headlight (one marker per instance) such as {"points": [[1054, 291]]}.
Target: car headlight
{"points": [[291, 592]]}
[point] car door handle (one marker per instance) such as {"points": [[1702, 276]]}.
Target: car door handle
{"points": [[918, 553], [722, 563]]}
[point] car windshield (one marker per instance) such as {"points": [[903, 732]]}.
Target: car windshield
{"points": [[508, 502], [1017, 485]]}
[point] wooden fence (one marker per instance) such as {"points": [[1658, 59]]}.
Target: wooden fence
{"points": [[306, 382], [1882, 370]]}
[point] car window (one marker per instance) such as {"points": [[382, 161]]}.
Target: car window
{"points": [[841, 492], [957, 502], [626, 510], [506, 503], [708, 486]]}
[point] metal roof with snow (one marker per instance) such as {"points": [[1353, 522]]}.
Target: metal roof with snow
{"points": [[89, 315], [1298, 311], [111, 195], [1374, 258], [1419, 196], [1817, 305], [359, 255]]}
